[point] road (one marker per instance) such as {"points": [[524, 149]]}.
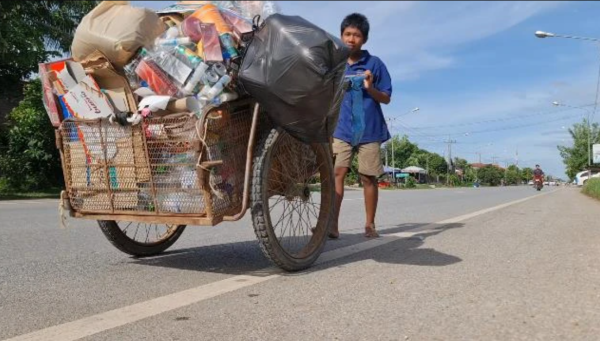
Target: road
{"points": [[452, 264]]}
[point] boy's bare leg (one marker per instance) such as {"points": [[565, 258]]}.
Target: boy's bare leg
{"points": [[371, 192], [340, 177]]}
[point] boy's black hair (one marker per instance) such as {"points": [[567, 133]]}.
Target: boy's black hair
{"points": [[358, 21]]}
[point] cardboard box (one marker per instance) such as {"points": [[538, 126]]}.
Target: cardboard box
{"points": [[109, 79], [71, 75], [86, 100], [102, 72], [48, 74]]}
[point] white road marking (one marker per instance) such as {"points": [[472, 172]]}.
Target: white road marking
{"points": [[115, 318], [122, 316], [487, 210]]}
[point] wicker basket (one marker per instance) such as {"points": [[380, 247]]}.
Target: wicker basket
{"points": [[174, 165]]}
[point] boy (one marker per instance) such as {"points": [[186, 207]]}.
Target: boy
{"points": [[361, 127]]}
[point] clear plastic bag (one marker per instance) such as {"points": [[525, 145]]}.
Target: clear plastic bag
{"points": [[195, 58]]}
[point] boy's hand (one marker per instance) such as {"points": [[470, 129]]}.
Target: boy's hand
{"points": [[368, 82], [377, 95]]}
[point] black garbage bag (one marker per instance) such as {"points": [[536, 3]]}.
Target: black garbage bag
{"points": [[295, 70]]}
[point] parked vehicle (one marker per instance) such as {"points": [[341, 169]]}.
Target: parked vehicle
{"points": [[582, 177]]}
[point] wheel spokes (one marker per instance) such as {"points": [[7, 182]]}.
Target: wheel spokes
{"points": [[295, 167], [147, 233]]}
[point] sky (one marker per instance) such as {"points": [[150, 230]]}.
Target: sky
{"points": [[477, 72]]}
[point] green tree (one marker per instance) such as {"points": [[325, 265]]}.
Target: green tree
{"points": [[403, 150], [437, 164], [32, 32], [470, 174], [575, 157], [461, 163], [407, 154], [526, 174], [512, 176], [31, 160], [490, 175], [418, 159]]}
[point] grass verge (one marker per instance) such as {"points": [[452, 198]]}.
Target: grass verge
{"points": [[592, 188], [49, 194]]}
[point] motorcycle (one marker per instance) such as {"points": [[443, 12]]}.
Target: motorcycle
{"points": [[538, 184]]}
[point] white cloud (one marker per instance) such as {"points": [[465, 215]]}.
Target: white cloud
{"points": [[415, 37], [412, 68], [527, 105]]}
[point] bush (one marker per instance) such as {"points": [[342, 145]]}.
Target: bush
{"points": [[490, 175], [410, 182], [30, 160], [454, 180], [592, 188]]}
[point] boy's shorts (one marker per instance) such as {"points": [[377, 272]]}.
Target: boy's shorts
{"points": [[369, 157]]}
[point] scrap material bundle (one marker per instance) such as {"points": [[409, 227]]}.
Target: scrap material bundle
{"points": [[181, 59], [131, 64]]}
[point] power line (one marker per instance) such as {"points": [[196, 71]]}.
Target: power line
{"points": [[502, 119], [509, 127], [420, 134]]}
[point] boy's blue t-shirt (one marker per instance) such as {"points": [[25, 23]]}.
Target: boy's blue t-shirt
{"points": [[375, 127]]}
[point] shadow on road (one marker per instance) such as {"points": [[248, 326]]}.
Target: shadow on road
{"points": [[246, 257]]}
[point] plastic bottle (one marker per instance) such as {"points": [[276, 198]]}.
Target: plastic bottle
{"points": [[211, 77], [219, 69], [218, 87], [224, 97], [196, 77], [129, 69], [229, 45], [189, 54], [172, 33], [173, 42], [190, 27]]}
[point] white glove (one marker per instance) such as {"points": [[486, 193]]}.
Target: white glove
{"points": [[135, 119]]}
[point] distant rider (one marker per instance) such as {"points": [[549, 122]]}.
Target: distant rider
{"points": [[538, 173]]}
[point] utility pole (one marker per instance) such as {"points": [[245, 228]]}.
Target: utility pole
{"points": [[391, 121], [494, 158], [427, 168], [450, 142], [393, 164], [479, 153], [386, 157]]}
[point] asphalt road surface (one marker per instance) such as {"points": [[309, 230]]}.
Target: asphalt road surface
{"points": [[452, 264]]}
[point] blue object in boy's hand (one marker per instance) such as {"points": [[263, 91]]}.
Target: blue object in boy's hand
{"points": [[358, 112]]}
